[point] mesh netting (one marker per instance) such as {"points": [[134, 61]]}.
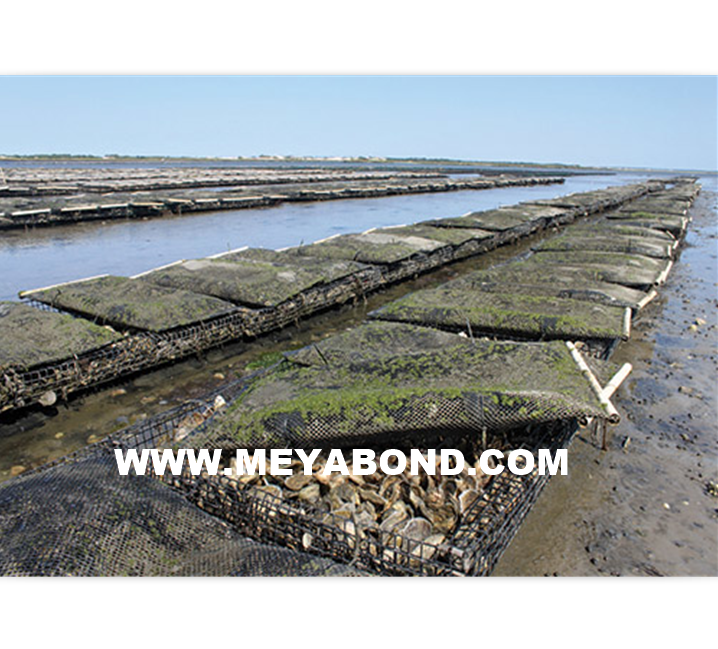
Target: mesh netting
{"points": [[659, 204], [639, 273], [401, 524], [524, 218], [32, 337], [573, 242], [605, 227], [179, 322], [140, 351], [380, 383], [132, 353], [372, 247], [453, 236], [252, 277], [507, 314], [676, 225], [82, 518], [395, 261], [132, 303], [594, 201], [604, 258], [686, 189], [388, 381], [562, 283]]}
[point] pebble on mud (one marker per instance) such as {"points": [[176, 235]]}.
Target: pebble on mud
{"points": [[93, 439], [219, 376], [16, 470], [59, 435], [118, 392]]}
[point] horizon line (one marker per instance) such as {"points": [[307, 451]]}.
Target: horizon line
{"points": [[337, 158]]}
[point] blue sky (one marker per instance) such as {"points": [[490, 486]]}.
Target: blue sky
{"points": [[664, 122]]}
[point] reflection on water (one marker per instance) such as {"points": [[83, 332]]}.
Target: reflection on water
{"points": [[48, 256]]}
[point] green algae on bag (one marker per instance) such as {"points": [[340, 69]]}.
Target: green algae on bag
{"points": [[598, 242], [253, 277], [371, 247], [560, 282], [511, 315], [503, 218], [31, 337], [132, 303], [383, 381]]}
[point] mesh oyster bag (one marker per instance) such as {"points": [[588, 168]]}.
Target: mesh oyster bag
{"points": [[81, 518], [384, 381]]}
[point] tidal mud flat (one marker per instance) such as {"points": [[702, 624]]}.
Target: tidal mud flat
{"points": [[536, 384], [648, 506]]}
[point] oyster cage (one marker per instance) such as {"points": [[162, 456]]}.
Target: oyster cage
{"points": [[201, 321], [472, 549], [139, 351]]}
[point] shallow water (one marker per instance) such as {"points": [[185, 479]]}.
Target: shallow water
{"points": [[46, 256]]}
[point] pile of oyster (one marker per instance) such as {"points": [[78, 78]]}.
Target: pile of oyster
{"points": [[414, 512]]}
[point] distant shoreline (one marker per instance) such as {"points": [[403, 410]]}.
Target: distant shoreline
{"points": [[68, 158]]}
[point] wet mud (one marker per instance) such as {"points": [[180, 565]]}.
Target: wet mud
{"points": [[648, 505]]}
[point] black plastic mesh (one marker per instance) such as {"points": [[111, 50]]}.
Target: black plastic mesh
{"points": [[34, 337], [517, 279], [255, 277], [612, 242], [82, 518], [387, 381], [480, 533], [140, 351], [676, 225], [616, 228], [524, 218], [507, 314], [133, 304]]}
